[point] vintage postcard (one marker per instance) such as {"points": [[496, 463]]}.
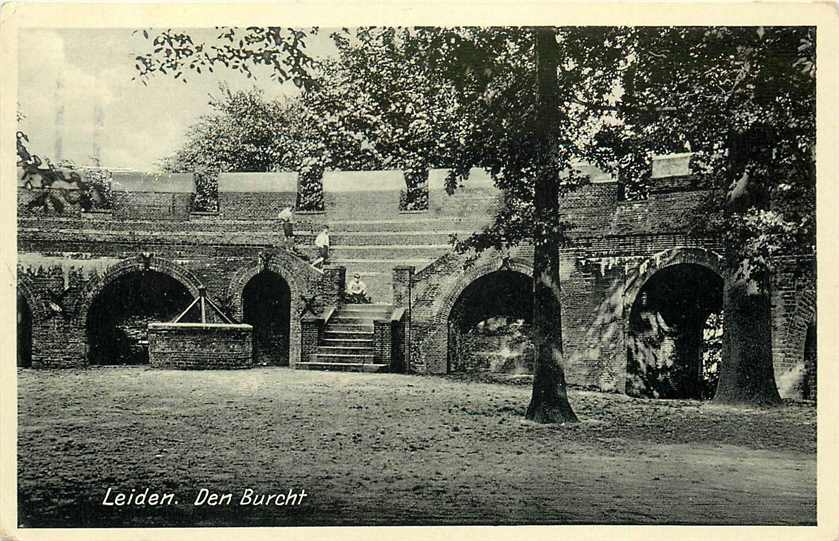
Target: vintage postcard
{"points": [[420, 266]]}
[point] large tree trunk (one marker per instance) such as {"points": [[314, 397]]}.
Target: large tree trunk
{"points": [[549, 402], [747, 374]]}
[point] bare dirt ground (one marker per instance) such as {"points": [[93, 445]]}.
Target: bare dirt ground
{"points": [[396, 449]]}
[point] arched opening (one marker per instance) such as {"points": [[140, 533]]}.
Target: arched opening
{"points": [[24, 333], [117, 320], [810, 359], [266, 304], [675, 334], [490, 324]]}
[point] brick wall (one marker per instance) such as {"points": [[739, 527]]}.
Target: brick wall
{"points": [[611, 240], [793, 311], [151, 206], [310, 329], [195, 346]]}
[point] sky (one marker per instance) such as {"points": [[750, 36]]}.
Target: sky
{"points": [[82, 70]]}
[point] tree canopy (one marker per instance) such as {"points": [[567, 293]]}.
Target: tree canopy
{"points": [[243, 132], [743, 101]]}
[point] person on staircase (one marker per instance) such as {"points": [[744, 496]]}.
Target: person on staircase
{"points": [[357, 291], [286, 217], [322, 244]]}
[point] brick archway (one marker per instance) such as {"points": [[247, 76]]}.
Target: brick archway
{"points": [[442, 307], [33, 313], [432, 351], [640, 275], [688, 337], [26, 289], [296, 275], [127, 266]]}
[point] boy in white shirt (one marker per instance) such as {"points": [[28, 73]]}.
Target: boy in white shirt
{"points": [[286, 219], [322, 244], [357, 291]]}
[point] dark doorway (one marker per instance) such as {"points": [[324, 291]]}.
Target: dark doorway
{"points": [[24, 333], [675, 332], [266, 304], [117, 320], [489, 325]]}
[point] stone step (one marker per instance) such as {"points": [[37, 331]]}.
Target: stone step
{"points": [[389, 238], [341, 358], [324, 349], [348, 343], [366, 308], [304, 229], [350, 327], [362, 314], [358, 317], [342, 367], [411, 254], [383, 265], [411, 223], [346, 335], [363, 318]]}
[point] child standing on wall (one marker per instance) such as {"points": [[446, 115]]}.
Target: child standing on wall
{"points": [[322, 244], [286, 218]]}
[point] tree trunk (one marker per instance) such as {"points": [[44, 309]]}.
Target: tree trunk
{"points": [[747, 374], [549, 402]]}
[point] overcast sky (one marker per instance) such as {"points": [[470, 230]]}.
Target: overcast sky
{"points": [[140, 124]]}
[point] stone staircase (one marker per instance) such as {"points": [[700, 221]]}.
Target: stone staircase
{"points": [[373, 248], [346, 344]]}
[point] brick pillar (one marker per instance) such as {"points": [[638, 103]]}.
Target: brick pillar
{"points": [[403, 277], [403, 280], [333, 283], [310, 328], [57, 343], [382, 342]]}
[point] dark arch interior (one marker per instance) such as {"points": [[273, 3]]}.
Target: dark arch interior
{"points": [[675, 333], [118, 318], [489, 325], [810, 358], [24, 333], [266, 304]]}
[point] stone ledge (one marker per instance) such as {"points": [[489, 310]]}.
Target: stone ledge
{"points": [[220, 327], [93, 214], [203, 214], [198, 346]]}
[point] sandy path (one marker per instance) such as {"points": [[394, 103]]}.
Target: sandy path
{"points": [[397, 449]]}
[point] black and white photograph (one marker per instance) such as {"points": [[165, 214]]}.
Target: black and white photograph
{"points": [[416, 275]]}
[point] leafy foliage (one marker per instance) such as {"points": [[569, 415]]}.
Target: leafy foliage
{"points": [[379, 105], [743, 100], [177, 53], [711, 354], [242, 132], [91, 186], [250, 139], [247, 132], [310, 188]]}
